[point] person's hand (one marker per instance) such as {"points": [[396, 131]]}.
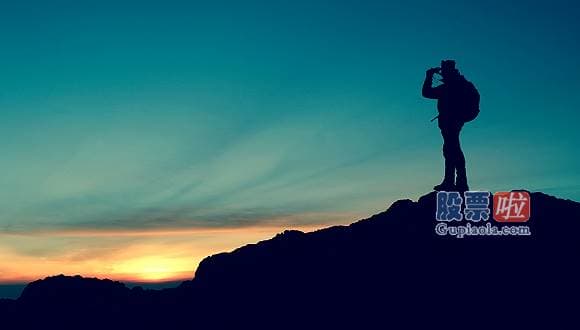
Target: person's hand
{"points": [[432, 71]]}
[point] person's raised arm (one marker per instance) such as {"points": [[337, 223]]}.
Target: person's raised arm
{"points": [[428, 90]]}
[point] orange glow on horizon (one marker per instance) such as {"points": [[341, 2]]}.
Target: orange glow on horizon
{"points": [[123, 255]]}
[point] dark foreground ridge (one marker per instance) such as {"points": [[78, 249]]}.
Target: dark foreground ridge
{"points": [[378, 272]]}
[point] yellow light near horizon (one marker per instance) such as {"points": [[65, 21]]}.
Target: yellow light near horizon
{"points": [[136, 256], [153, 268]]}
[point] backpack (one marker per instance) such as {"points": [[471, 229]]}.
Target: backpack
{"points": [[469, 102]]}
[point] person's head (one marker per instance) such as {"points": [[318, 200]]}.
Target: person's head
{"points": [[448, 69]]}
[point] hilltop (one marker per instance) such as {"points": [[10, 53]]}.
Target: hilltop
{"points": [[387, 269]]}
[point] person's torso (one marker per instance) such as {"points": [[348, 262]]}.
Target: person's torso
{"points": [[450, 101]]}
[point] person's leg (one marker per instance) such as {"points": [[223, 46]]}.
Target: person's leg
{"points": [[458, 158], [449, 155]]}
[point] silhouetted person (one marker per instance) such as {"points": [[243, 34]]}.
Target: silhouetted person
{"points": [[457, 103]]}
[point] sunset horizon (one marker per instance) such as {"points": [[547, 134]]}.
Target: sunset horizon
{"points": [[164, 255], [140, 137]]}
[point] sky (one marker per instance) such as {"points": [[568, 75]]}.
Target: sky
{"points": [[139, 137]]}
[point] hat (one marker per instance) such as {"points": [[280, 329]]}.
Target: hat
{"points": [[447, 65]]}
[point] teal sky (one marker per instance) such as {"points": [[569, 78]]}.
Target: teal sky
{"points": [[119, 115]]}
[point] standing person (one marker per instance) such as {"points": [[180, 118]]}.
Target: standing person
{"points": [[457, 103]]}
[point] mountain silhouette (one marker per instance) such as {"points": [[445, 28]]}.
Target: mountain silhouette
{"points": [[389, 270]]}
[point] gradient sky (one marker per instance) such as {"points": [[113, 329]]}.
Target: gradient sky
{"points": [[138, 137]]}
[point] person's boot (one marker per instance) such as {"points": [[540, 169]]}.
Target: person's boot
{"points": [[461, 183], [448, 183], [444, 186]]}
